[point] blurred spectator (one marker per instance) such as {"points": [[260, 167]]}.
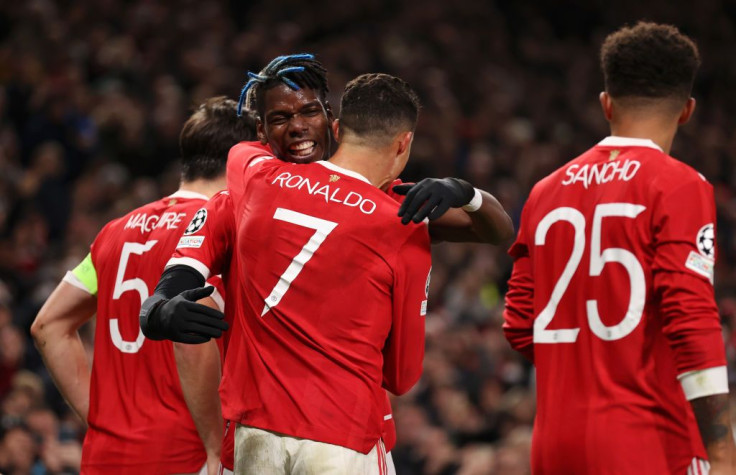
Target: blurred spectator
{"points": [[92, 96]]}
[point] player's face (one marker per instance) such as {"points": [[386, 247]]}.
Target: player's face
{"points": [[295, 124]]}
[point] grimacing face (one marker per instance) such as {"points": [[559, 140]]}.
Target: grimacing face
{"points": [[295, 124]]}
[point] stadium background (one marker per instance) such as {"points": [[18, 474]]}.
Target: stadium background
{"points": [[93, 95]]}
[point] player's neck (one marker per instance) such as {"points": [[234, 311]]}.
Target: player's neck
{"points": [[654, 130], [376, 165], [204, 187]]}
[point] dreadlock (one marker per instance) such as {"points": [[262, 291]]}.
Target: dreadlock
{"points": [[296, 71]]}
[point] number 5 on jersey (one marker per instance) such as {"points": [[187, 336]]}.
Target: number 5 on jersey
{"points": [[121, 286], [322, 228], [598, 260]]}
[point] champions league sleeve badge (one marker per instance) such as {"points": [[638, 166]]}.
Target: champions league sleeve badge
{"points": [[197, 222]]}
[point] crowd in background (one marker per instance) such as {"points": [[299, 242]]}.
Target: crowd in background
{"points": [[93, 95]]}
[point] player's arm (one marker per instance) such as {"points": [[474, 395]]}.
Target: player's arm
{"points": [[682, 280], [714, 422], [172, 312], [692, 326], [518, 316], [457, 211], [199, 373], [403, 352], [55, 332]]}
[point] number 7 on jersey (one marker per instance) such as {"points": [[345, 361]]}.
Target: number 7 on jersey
{"points": [[322, 228]]}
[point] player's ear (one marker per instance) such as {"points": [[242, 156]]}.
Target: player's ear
{"points": [[606, 105], [404, 142], [261, 131], [335, 125], [687, 112], [328, 111]]}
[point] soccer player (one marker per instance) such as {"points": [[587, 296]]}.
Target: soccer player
{"points": [[294, 120], [611, 294], [294, 124], [306, 386], [132, 400]]}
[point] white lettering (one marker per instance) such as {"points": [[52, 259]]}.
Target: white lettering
{"points": [[300, 183], [605, 176], [581, 176], [325, 190], [357, 196], [367, 203], [295, 183], [631, 169], [332, 198], [595, 174], [310, 189], [151, 222], [281, 178], [570, 172], [146, 224], [600, 173], [131, 221]]}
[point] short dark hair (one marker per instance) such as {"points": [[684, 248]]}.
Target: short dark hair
{"points": [[296, 71], [378, 106], [208, 135], [649, 60]]}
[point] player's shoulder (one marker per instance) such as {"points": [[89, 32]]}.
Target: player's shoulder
{"points": [[245, 159], [659, 168], [169, 213], [134, 215], [116, 230], [244, 154], [674, 173]]}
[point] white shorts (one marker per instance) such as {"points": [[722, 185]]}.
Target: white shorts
{"points": [[268, 453], [698, 467]]}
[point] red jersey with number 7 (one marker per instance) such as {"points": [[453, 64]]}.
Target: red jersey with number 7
{"points": [[332, 298], [138, 419], [611, 297]]}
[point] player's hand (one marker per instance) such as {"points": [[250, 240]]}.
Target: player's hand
{"points": [[432, 197], [213, 464], [183, 320]]}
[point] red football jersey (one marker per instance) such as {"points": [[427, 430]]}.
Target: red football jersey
{"points": [[333, 297], [138, 419], [611, 297]]}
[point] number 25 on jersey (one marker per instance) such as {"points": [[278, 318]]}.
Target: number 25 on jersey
{"points": [[598, 260]]}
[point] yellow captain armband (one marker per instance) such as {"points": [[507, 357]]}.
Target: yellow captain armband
{"points": [[86, 275]]}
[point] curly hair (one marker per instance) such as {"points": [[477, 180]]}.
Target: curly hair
{"points": [[649, 60]]}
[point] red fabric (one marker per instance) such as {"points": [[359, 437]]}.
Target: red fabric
{"points": [[313, 365], [615, 406], [227, 456], [138, 419]]}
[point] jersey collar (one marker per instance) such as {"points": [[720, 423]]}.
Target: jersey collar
{"points": [[342, 170], [190, 195], [614, 141]]}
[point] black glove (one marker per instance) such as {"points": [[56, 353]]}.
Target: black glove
{"points": [[182, 319], [433, 197]]}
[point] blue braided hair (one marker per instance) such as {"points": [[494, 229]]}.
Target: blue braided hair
{"points": [[295, 70]]}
